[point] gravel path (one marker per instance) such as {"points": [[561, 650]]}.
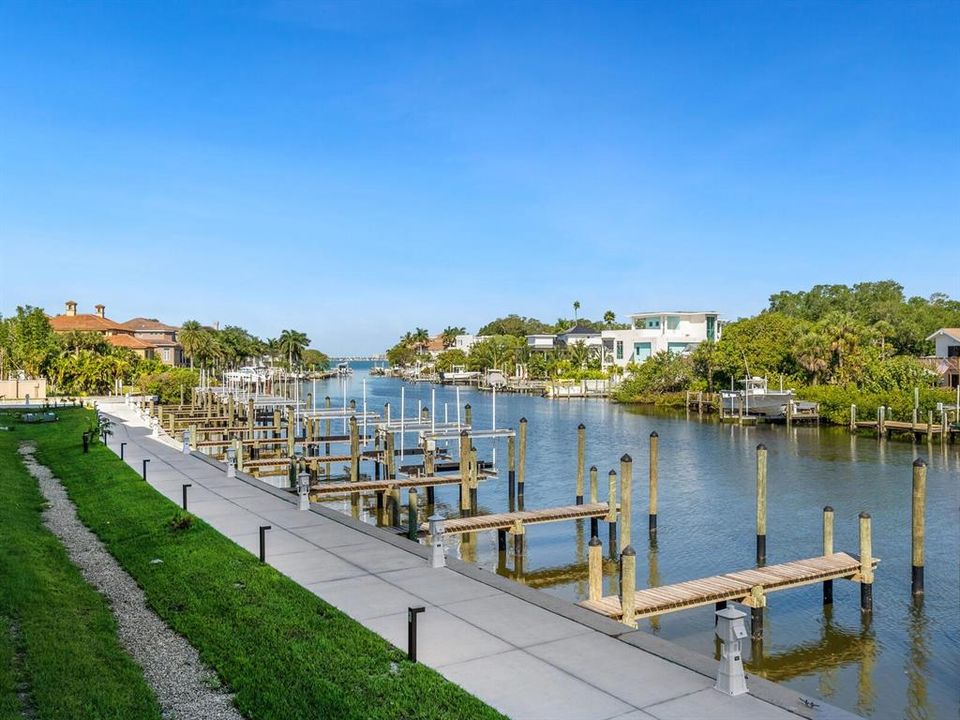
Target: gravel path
{"points": [[183, 685]]}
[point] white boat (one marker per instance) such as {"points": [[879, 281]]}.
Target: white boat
{"points": [[757, 399], [344, 369], [459, 375]]}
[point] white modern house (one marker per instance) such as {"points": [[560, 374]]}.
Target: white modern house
{"points": [[650, 333], [465, 342], [946, 359], [541, 343]]}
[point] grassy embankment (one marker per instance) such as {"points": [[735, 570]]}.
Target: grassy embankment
{"points": [[284, 652], [58, 638]]}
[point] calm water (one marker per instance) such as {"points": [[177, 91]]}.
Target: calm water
{"points": [[904, 663]]}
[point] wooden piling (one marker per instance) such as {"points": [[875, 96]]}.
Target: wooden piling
{"points": [[193, 437], [917, 525], [424, 413], [518, 533], [581, 462], [593, 484], [291, 432], [465, 473], [468, 415], [512, 471], [474, 481], [758, 601], [654, 457], [612, 512], [628, 586], [595, 568], [866, 565], [761, 504], [626, 499], [853, 418], [828, 550], [354, 449], [413, 520], [251, 416], [521, 462]]}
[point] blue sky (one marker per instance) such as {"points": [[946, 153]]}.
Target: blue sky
{"points": [[357, 169]]}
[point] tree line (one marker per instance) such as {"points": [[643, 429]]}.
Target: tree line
{"points": [[85, 363]]}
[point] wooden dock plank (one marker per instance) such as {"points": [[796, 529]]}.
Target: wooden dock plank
{"points": [[505, 521]]}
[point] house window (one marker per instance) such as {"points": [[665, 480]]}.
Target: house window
{"points": [[641, 351], [619, 349], [711, 328], [677, 347], [652, 323], [673, 322], [953, 350]]}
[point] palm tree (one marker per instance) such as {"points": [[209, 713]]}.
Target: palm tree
{"points": [[813, 355], [884, 330], [609, 317], [449, 335], [420, 338], [841, 330], [191, 337], [576, 309], [292, 343], [578, 353]]}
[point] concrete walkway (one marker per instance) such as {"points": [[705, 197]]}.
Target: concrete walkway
{"points": [[523, 652]]}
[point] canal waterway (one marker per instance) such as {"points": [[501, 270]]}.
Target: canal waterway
{"points": [[903, 662]]}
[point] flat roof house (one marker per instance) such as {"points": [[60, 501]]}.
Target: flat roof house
{"points": [[678, 331], [946, 358]]}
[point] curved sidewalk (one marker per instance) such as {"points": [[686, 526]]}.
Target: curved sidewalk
{"points": [[523, 652]]}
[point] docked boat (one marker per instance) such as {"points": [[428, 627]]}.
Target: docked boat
{"points": [[460, 375], [757, 399], [344, 369]]}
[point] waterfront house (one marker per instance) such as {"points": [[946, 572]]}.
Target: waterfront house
{"points": [[945, 361], [147, 338], [650, 333], [465, 342], [541, 343]]}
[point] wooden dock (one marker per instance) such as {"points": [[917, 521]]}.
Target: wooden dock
{"points": [[369, 486], [511, 520], [736, 586]]}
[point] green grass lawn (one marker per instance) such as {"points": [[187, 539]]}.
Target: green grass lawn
{"points": [[285, 653], [64, 653]]}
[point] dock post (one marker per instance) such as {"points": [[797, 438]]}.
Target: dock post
{"points": [[853, 418], [354, 449], [930, 426], [468, 415], [595, 568], [464, 473], [429, 468], [654, 456], [474, 480], [291, 431], [193, 437], [758, 601], [881, 421], [628, 586], [521, 462], [413, 520], [917, 525], [761, 504], [626, 499], [326, 430], [866, 565], [612, 512], [581, 450], [828, 550], [512, 471], [424, 414], [251, 416], [501, 540], [518, 533], [593, 484]]}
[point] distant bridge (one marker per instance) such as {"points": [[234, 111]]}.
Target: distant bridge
{"points": [[359, 358]]}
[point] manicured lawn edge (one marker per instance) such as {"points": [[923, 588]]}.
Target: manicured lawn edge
{"points": [[284, 652], [65, 651]]}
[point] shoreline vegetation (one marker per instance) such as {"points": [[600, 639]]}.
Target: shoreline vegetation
{"points": [[281, 650], [836, 345]]}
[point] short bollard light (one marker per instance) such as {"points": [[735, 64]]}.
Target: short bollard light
{"points": [[303, 490], [412, 613], [122, 446], [231, 463], [437, 559], [86, 441], [263, 542], [732, 632], [185, 486], [185, 449], [145, 461]]}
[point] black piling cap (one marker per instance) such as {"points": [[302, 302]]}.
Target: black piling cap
{"points": [[654, 434], [594, 541], [523, 419], [581, 426], [761, 446], [919, 462], [827, 508], [612, 472], [628, 550], [464, 433], [864, 516], [467, 406], [593, 468], [626, 458]]}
